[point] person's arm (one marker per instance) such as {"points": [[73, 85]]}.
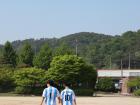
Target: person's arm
{"points": [[58, 96], [75, 102], [42, 100], [43, 96], [74, 98], [59, 100]]}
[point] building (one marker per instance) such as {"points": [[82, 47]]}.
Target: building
{"points": [[121, 77]]}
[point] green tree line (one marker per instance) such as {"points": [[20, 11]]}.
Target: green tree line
{"points": [[105, 51], [26, 72], [24, 62]]}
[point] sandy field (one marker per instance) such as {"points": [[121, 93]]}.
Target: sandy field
{"points": [[80, 100]]}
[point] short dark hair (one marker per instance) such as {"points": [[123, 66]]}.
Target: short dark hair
{"points": [[51, 82], [66, 83]]}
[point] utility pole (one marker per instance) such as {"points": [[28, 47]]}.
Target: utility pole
{"points": [[121, 64], [129, 67], [121, 69], [76, 47], [35, 50], [110, 62]]}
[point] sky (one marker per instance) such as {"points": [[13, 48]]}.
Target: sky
{"points": [[24, 19]]}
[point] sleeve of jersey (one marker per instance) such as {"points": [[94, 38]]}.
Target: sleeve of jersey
{"points": [[57, 93], [44, 93], [62, 93]]}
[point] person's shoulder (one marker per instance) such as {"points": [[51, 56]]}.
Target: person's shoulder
{"points": [[70, 90], [54, 88], [63, 91], [45, 90]]}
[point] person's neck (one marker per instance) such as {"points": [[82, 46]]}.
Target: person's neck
{"points": [[49, 86], [66, 87]]}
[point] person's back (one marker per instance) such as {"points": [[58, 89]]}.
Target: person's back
{"points": [[50, 94], [68, 97]]}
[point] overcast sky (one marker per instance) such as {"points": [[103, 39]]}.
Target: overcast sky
{"points": [[23, 19]]}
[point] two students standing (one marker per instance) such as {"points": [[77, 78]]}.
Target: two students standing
{"points": [[50, 94]]}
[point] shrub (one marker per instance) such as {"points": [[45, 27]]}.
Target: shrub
{"points": [[84, 92], [134, 83], [137, 92], [6, 80], [22, 90], [105, 84], [28, 90], [29, 79]]}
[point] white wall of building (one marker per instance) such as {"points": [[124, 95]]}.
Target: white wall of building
{"points": [[118, 73]]}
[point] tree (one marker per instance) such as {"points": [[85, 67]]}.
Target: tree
{"points": [[72, 69], [6, 80], [63, 49], [104, 51], [0, 51], [134, 85], [105, 84], [29, 80], [27, 54], [43, 58], [9, 55]]}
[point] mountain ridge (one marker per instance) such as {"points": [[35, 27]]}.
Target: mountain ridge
{"points": [[99, 49]]}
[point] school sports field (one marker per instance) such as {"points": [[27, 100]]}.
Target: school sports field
{"points": [[80, 100]]}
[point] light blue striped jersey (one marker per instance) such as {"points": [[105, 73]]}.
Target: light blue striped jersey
{"points": [[50, 95], [67, 96]]}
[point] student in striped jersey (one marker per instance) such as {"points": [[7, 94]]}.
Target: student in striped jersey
{"points": [[68, 96], [50, 94]]}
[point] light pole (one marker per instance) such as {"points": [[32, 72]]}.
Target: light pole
{"points": [[129, 67], [110, 63], [76, 47]]}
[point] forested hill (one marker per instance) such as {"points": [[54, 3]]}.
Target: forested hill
{"points": [[85, 38], [105, 51], [82, 39]]}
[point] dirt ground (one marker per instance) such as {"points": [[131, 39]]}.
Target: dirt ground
{"points": [[80, 100]]}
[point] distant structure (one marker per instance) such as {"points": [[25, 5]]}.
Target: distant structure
{"points": [[121, 77], [76, 47]]}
